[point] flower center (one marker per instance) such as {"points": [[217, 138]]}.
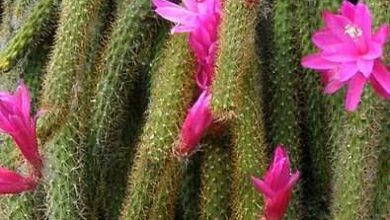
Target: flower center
{"points": [[353, 31]]}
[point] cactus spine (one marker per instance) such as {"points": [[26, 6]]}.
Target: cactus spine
{"points": [[237, 23], [126, 59], [216, 179], [171, 93], [30, 32]]}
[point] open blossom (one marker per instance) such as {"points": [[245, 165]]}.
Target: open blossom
{"points": [[198, 120], [199, 18], [349, 53], [15, 120], [277, 185]]}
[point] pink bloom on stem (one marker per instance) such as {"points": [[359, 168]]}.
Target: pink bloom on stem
{"points": [[350, 53], [16, 121], [12, 183], [199, 18], [277, 185], [198, 120]]}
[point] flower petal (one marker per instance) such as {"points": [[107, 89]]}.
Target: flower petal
{"points": [[262, 187], [382, 34], [347, 71], [324, 39], [382, 76], [315, 61], [365, 66], [333, 86], [354, 91], [344, 52], [177, 15]]}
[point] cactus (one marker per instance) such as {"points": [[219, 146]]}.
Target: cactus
{"points": [[216, 179], [188, 201], [237, 23], [125, 62], [282, 113], [35, 27], [318, 127], [71, 47], [163, 205], [356, 159], [172, 77]]}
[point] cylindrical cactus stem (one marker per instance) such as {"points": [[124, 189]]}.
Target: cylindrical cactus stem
{"points": [[164, 200], [172, 88], [64, 198], [5, 26], [318, 127], [116, 113], [248, 153], [357, 177], [188, 201], [356, 161], [236, 31], [71, 46], [281, 92], [20, 12], [216, 179], [32, 30]]}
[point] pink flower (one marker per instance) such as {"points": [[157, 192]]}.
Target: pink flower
{"points": [[16, 121], [200, 18], [277, 185], [350, 52], [12, 183], [198, 120]]}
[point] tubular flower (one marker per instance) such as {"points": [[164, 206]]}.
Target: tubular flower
{"points": [[15, 120], [198, 120], [276, 185], [349, 53], [199, 18]]}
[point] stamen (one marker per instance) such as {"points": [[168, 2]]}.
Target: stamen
{"points": [[353, 31]]}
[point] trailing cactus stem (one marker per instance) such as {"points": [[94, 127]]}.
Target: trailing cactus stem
{"points": [[282, 91], [216, 180], [356, 161], [172, 89], [237, 23], [31, 31], [164, 199], [71, 48], [116, 112], [318, 127]]}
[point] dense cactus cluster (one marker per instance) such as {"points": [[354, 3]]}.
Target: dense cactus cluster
{"points": [[116, 87]]}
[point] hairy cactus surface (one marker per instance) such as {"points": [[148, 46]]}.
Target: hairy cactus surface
{"points": [[116, 90], [172, 75], [216, 179]]}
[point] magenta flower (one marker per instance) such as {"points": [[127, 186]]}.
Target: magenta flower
{"points": [[198, 120], [199, 18], [277, 185], [12, 183], [349, 53], [15, 120]]}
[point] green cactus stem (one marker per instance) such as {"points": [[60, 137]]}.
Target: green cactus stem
{"points": [[163, 205], [172, 87], [281, 92], [357, 159], [216, 179], [120, 101], [238, 23], [33, 30], [318, 127], [188, 201], [71, 46]]}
